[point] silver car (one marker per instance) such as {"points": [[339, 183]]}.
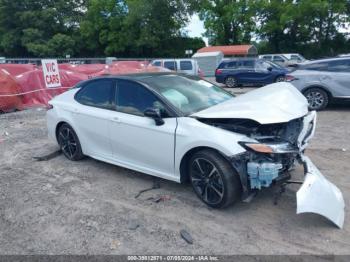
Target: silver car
{"points": [[322, 81]]}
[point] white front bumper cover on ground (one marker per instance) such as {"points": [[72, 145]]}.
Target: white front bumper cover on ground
{"points": [[318, 195]]}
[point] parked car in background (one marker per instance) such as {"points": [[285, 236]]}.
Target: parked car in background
{"points": [[186, 66], [295, 58], [322, 81], [251, 71], [277, 59]]}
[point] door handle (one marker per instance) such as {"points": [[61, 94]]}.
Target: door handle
{"points": [[116, 119]]}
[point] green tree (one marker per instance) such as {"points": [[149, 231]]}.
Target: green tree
{"points": [[32, 27], [306, 26], [102, 27], [135, 28], [227, 21]]}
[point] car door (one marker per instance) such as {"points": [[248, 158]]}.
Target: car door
{"points": [[137, 141], [247, 73], [339, 77], [262, 73], [92, 115]]}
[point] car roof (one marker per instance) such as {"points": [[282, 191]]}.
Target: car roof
{"points": [[135, 76], [275, 54], [325, 60], [240, 59]]}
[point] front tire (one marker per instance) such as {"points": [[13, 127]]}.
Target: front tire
{"points": [[69, 143], [317, 98], [213, 179], [230, 82]]}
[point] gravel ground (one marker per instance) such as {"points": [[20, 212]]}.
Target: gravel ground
{"points": [[89, 207]]}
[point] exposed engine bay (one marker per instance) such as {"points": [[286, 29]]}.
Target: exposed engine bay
{"points": [[275, 150], [263, 168]]}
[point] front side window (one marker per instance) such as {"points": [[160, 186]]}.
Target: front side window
{"points": [[157, 63], [262, 66], [133, 98], [296, 58], [188, 94], [185, 65], [278, 58], [267, 57], [170, 65], [98, 93]]}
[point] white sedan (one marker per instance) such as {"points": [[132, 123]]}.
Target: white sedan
{"points": [[184, 128]]}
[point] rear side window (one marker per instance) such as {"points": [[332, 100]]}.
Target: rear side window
{"points": [[98, 93], [339, 66], [231, 65], [170, 65], [157, 63], [186, 65], [323, 66], [133, 98]]}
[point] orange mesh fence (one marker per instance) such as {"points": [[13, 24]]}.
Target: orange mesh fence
{"points": [[23, 86]]}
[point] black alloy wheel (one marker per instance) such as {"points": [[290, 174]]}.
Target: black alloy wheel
{"points": [[69, 143], [213, 179]]}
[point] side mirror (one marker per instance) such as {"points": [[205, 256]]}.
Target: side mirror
{"points": [[270, 68], [155, 114]]}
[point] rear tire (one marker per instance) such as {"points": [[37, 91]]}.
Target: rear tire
{"points": [[230, 82], [317, 98], [69, 143], [280, 79], [213, 179]]}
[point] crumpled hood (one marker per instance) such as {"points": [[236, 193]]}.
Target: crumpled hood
{"points": [[275, 103]]}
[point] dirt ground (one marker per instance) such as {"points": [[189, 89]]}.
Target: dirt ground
{"points": [[89, 207]]}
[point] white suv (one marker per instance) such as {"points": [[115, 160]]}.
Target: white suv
{"points": [[187, 66]]}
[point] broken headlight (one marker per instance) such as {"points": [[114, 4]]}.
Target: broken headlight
{"points": [[270, 148]]}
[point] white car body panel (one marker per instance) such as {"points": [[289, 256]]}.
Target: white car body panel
{"points": [[318, 195], [135, 142], [192, 134], [275, 103], [138, 142]]}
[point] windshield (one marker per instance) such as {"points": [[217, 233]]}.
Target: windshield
{"points": [[188, 94], [274, 65]]}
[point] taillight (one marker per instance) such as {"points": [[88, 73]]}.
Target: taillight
{"points": [[218, 71], [290, 78]]}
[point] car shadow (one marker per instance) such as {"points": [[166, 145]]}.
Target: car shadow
{"points": [[339, 106]]}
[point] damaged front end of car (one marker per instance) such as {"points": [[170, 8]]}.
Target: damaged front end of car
{"points": [[272, 150]]}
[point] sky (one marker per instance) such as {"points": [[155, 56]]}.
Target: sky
{"points": [[195, 28]]}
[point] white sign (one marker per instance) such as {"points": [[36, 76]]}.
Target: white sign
{"points": [[51, 73], [188, 52]]}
